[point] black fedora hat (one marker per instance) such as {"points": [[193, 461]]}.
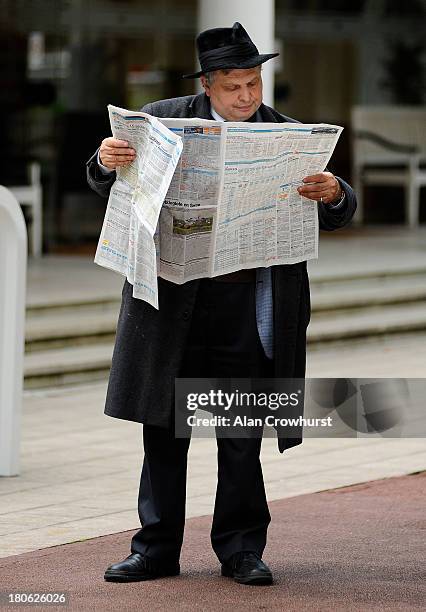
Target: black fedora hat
{"points": [[226, 48]]}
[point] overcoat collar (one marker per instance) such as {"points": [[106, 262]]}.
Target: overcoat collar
{"points": [[200, 106]]}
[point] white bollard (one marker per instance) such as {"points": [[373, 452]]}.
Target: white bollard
{"points": [[13, 269]]}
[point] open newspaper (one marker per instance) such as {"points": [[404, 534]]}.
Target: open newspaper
{"points": [[205, 198]]}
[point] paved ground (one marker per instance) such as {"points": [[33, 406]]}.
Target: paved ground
{"points": [[392, 356], [357, 548], [80, 469], [368, 250], [351, 251], [57, 279]]}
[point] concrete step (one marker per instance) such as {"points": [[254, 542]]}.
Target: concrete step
{"points": [[338, 294], [338, 273], [60, 325], [70, 304], [364, 322], [66, 326], [70, 343], [68, 365], [79, 364]]}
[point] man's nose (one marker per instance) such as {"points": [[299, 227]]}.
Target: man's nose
{"points": [[245, 95]]}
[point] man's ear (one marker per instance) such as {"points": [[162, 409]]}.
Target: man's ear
{"points": [[205, 84]]}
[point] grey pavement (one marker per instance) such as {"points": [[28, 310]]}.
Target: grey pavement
{"points": [[345, 253], [55, 279], [360, 251], [80, 469]]}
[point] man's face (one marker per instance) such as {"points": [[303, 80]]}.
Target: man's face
{"points": [[237, 95]]}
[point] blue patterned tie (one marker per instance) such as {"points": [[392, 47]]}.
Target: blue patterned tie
{"points": [[264, 316]]}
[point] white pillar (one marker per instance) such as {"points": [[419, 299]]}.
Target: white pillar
{"points": [[257, 17], [13, 268]]}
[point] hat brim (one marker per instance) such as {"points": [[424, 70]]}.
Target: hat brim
{"points": [[250, 62]]}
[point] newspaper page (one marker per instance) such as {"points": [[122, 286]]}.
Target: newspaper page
{"points": [[127, 242], [205, 198], [191, 203], [233, 200]]}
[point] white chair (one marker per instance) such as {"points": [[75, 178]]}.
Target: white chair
{"points": [[389, 148], [31, 195]]}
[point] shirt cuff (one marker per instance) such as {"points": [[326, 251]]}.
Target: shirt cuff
{"points": [[338, 204], [103, 168]]}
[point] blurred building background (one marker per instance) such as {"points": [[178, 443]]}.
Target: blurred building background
{"points": [[63, 61]]}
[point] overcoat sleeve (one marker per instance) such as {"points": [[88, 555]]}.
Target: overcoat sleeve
{"points": [[331, 219], [101, 183]]}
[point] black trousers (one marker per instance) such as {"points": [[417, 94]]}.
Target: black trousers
{"points": [[223, 342]]}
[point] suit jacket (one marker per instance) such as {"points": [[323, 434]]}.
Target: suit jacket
{"points": [[150, 343]]}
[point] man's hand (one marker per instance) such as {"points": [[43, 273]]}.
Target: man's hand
{"points": [[323, 187], [114, 153]]}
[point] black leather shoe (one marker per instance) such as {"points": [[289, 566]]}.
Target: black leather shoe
{"points": [[247, 568], [138, 567]]}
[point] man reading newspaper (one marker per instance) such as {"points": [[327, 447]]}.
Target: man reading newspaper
{"points": [[249, 323]]}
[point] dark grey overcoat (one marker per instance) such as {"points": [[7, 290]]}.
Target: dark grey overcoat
{"points": [[150, 343]]}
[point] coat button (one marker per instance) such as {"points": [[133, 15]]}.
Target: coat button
{"points": [[185, 315]]}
